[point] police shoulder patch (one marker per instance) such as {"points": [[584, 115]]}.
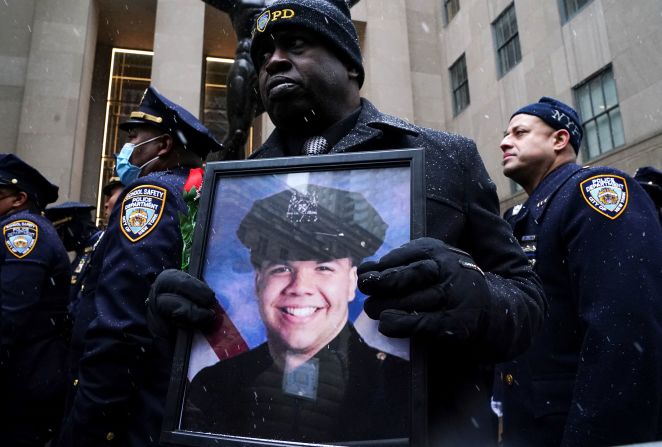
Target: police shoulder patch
{"points": [[607, 194], [141, 212], [20, 237]]}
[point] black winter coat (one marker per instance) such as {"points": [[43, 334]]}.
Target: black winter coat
{"points": [[462, 209]]}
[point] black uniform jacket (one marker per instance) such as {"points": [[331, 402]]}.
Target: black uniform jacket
{"points": [[34, 292], [351, 392], [593, 376], [462, 209], [123, 376]]}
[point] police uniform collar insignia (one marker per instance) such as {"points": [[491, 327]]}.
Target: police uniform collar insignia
{"points": [[20, 237], [606, 194], [302, 207], [141, 211]]}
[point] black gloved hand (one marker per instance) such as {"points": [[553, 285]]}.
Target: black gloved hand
{"points": [[178, 300], [426, 288]]}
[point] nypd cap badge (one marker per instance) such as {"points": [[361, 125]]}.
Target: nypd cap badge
{"points": [[142, 209], [20, 237], [606, 194]]}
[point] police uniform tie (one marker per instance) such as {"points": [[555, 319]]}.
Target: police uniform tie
{"points": [[315, 146]]}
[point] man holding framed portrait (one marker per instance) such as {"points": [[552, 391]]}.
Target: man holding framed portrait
{"points": [[466, 291], [314, 379]]}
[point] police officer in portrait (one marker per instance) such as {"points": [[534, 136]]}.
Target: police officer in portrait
{"points": [[314, 379], [34, 292], [123, 376], [592, 377]]}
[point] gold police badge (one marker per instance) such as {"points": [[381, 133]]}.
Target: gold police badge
{"points": [[20, 237], [142, 209]]}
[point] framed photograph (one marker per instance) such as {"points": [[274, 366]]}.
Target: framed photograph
{"points": [[293, 358]]}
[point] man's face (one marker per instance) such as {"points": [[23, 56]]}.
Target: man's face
{"points": [[304, 304], [301, 81], [527, 147], [145, 152], [110, 201]]}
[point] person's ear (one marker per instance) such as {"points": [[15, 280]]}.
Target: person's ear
{"points": [[166, 145], [561, 139], [354, 278], [20, 199]]}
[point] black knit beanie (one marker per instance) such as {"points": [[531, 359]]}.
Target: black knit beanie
{"points": [[328, 19]]}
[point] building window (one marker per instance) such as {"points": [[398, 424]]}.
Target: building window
{"points": [[459, 85], [451, 7], [507, 40], [130, 75], [214, 115], [571, 7], [601, 116]]}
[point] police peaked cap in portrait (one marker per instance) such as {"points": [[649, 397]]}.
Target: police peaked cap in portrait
{"points": [[158, 111], [330, 20], [312, 222], [558, 116], [17, 174]]}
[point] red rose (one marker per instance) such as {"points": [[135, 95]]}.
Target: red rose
{"points": [[194, 179]]}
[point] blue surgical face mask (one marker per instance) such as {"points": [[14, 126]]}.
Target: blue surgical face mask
{"points": [[126, 171]]}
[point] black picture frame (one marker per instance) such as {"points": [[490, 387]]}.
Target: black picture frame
{"points": [[380, 176]]}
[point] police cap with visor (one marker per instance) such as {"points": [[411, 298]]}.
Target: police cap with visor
{"points": [[17, 174], [158, 111], [312, 222]]}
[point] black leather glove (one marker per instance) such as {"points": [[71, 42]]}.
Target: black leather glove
{"points": [[426, 288], [178, 300]]}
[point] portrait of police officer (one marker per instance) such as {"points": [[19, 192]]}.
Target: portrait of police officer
{"points": [[314, 379], [592, 376], [465, 289], [34, 292]]}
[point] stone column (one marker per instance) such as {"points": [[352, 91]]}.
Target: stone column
{"points": [[178, 46], [52, 127], [385, 49]]}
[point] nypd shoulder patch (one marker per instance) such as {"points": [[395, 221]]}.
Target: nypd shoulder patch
{"points": [[142, 209], [20, 237], [607, 194]]}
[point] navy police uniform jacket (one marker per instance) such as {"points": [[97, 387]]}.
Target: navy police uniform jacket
{"points": [[34, 292], [593, 376], [123, 375], [348, 391], [462, 209]]}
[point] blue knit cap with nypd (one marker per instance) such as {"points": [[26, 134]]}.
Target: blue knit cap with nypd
{"points": [[607, 194]]}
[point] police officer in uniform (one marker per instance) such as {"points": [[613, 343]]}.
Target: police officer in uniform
{"points": [[73, 223], [123, 378], [592, 377], [650, 178], [111, 192], [314, 379], [34, 292]]}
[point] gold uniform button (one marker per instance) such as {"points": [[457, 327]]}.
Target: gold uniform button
{"points": [[75, 382], [110, 436], [509, 379]]}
